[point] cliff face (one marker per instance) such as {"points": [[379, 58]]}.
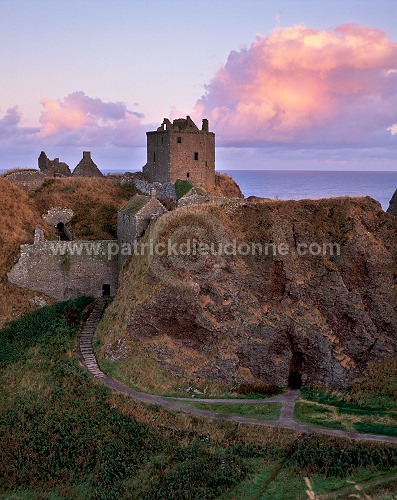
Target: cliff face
{"points": [[301, 313], [393, 204], [226, 186]]}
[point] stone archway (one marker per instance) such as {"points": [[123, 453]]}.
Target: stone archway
{"points": [[63, 232]]}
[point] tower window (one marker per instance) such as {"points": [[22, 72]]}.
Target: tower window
{"points": [[196, 156], [187, 175], [179, 140], [162, 140], [154, 157]]}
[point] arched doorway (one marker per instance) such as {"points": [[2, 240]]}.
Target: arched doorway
{"points": [[63, 232]]}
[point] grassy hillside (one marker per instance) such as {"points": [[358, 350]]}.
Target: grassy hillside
{"points": [[95, 203], [18, 218], [64, 435]]}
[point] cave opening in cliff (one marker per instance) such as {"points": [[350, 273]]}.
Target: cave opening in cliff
{"points": [[295, 370], [295, 380]]}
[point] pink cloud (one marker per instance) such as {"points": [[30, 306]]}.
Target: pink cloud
{"points": [[79, 119], [306, 86]]}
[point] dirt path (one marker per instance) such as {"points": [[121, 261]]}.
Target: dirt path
{"points": [[88, 359]]}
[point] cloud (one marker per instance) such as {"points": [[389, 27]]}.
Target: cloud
{"points": [[82, 120], [302, 86], [11, 128]]}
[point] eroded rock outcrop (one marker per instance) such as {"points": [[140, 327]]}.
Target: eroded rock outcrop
{"points": [[393, 204], [226, 186], [315, 305]]}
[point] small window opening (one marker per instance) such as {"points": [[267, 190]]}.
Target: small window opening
{"points": [[187, 175], [206, 163], [154, 157], [162, 140], [196, 156], [106, 290], [179, 140]]}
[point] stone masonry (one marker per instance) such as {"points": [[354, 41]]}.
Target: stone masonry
{"points": [[180, 150], [134, 218], [53, 168], [66, 270], [86, 167]]}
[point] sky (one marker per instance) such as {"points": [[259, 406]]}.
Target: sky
{"points": [[288, 84]]}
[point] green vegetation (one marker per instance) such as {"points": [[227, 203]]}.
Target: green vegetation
{"points": [[182, 187], [65, 435], [59, 434], [262, 411], [339, 409], [377, 390]]}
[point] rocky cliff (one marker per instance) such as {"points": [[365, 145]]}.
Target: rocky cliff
{"points": [[226, 186], [289, 292], [393, 204]]}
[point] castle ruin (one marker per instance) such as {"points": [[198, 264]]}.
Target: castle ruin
{"points": [[53, 168], [180, 150]]}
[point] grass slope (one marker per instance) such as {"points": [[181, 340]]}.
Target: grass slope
{"points": [[262, 411], [64, 435], [94, 202], [367, 405]]}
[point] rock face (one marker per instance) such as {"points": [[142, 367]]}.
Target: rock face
{"points": [[86, 167], [393, 204], [226, 186], [290, 292]]}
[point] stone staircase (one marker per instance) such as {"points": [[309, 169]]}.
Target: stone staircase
{"points": [[86, 349]]}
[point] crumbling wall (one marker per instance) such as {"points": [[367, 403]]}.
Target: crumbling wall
{"points": [[66, 270], [132, 225], [53, 168]]}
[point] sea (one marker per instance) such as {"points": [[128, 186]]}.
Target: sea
{"points": [[302, 184], [305, 184]]}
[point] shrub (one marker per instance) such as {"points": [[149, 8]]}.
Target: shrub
{"points": [[182, 187]]}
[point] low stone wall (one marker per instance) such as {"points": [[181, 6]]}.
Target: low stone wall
{"points": [[166, 190], [26, 179], [67, 269]]}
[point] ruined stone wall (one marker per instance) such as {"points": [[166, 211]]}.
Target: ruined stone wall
{"points": [[151, 211], [126, 234], [43, 268], [53, 168], [131, 226]]}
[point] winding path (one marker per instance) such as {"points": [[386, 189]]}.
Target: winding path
{"points": [[88, 359]]}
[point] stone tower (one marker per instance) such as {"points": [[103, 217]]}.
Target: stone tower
{"points": [[180, 150]]}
